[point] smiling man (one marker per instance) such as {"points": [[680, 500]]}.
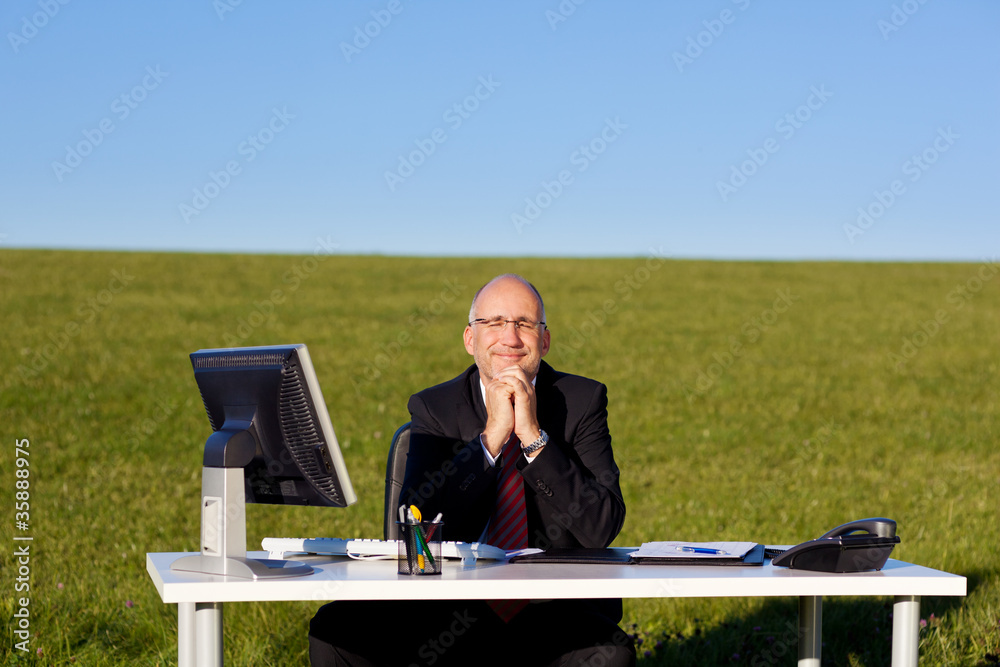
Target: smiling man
{"points": [[516, 454], [508, 345], [551, 426]]}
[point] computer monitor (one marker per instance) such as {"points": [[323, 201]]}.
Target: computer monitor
{"points": [[272, 442]]}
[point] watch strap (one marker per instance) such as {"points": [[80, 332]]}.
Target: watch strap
{"points": [[540, 441]]}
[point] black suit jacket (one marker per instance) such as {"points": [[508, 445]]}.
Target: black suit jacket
{"points": [[572, 494]]}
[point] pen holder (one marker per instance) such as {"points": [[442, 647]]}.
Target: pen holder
{"points": [[420, 547]]}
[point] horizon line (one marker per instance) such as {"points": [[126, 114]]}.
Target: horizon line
{"points": [[391, 255]]}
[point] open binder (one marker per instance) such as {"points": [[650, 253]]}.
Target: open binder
{"points": [[754, 555]]}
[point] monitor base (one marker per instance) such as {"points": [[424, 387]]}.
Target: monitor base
{"points": [[242, 568]]}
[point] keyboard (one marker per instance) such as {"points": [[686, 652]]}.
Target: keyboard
{"points": [[277, 547]]}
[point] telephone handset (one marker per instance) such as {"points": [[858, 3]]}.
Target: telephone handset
{"points": [[853, 547]]}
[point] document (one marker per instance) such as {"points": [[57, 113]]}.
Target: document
{"points": [[673, 550]]}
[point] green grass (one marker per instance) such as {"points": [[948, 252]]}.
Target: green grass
{"points": [[725, 428]]}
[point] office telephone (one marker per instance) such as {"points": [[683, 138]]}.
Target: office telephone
{"points": [[853, 547]]}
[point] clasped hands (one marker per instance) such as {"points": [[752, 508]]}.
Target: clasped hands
{"points": [[511, 407]]}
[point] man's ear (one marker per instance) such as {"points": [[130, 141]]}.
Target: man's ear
{"points": [[546, 341], [467, 339]]}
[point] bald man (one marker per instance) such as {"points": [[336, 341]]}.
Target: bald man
{"points": [[512, 453]]}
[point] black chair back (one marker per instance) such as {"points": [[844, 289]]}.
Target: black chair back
{"points": [[395, 468]]}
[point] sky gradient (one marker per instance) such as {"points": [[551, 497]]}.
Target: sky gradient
{"points": [[731, 129]]}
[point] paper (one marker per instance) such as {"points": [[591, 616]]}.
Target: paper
{"points": [[524, 552], [686, 550]]}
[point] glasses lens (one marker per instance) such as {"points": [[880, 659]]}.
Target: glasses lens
{"points": [[526, 327], [521, 326]]}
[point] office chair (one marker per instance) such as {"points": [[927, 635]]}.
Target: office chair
{"points": [[395, 468]]}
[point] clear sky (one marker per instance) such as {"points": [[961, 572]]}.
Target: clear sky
{"points": [[722, 129]]}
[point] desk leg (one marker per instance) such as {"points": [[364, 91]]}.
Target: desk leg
{"points": [[185, 635], [208, 629], [810, 630], [905, 630]]}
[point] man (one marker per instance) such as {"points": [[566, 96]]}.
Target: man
{"points": [[525, 456]]}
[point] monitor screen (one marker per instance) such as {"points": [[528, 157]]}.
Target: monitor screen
{"points": [[271, 394]]}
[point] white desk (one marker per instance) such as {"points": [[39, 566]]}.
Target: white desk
{"points": [[200, 597]]}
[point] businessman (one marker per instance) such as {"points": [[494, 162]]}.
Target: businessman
{"points": [[516, 454]]}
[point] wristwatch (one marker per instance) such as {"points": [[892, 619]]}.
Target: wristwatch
{"points": [[541, 441]]}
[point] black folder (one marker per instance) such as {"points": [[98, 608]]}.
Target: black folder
{"points": [[621, 556]]}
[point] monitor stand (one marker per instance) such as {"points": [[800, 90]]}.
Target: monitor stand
{"points": [[224, 533]]}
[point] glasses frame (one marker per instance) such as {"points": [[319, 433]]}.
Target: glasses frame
{"points": [[520, 326]]}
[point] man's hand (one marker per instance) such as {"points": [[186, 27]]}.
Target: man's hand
{"points": [[511, 407], [499, 416]]}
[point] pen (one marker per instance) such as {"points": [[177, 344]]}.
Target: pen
{"points": [[434, 525], [421, 540], [408, 538], [701, 550], [417, 554]]}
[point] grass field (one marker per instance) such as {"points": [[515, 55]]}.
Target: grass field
{"points": [[761, 401]]}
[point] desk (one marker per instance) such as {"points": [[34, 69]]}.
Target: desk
{"points": [[200, 597]]}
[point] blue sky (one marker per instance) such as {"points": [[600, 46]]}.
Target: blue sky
{"points": [[727, 129]]}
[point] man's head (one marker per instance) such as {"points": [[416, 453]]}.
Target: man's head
{"points": [[494, 340]]}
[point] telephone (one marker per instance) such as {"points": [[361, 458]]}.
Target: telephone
{"points": [[853, 547]]}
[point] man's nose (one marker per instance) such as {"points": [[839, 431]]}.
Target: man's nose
{"points": [[510, 336]]}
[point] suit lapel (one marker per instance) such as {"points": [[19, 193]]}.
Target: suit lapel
{"points": [[543, 382], [474, 395]]}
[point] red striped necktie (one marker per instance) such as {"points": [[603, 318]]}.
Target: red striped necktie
{"points": [[509, 523]]}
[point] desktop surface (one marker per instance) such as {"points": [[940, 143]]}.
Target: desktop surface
{"points": [[346, 579]]}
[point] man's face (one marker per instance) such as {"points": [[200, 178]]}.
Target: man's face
{"points": [[507, 299]]}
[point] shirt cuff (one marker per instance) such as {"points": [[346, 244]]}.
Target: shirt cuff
{"points": [[489, 457]]}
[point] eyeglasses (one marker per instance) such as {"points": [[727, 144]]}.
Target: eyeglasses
{"points": [[498, 325]]}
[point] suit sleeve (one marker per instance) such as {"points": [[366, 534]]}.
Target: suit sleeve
{"points": [[446, 474], [575, 480]]}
